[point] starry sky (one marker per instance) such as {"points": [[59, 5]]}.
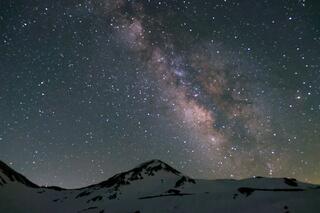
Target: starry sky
{"points": [[217, 89]]}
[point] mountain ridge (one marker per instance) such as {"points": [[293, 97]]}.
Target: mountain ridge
{"points": [[152, 166], [7, 174], [154, 186]]}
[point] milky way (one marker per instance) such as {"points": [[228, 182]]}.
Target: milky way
{"points": [[92, 88], [207, 92]]}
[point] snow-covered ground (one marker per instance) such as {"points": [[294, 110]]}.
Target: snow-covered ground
{"points": [[156, 187]]}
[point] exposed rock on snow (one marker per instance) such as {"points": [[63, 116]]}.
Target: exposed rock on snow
{"points": [[155, 186]]}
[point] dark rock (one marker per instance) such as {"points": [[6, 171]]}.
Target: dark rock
{"points": [[173, 191], [245, 190], [87, 209], [291, 181], [235, 196], [97, 198], [82, 194], [183, 180], [112, 197], [248, 191], [56, 188]]}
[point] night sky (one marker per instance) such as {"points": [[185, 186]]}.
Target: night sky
{"points": [[216, 88]]}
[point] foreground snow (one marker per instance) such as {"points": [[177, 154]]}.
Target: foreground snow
{"points": [[156, 187]]}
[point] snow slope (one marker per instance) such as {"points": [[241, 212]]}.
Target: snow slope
{"points": [[156, 187]]}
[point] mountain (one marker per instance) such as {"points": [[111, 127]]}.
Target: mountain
{"points": [[8, 175], [155, 186]]}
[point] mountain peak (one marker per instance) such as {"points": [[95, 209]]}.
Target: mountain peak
{"points": [[153, 161], [8, 175], [157, 165], [144, 170]]}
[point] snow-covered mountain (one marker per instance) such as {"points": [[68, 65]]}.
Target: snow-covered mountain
{"points": [[154, 186]]}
